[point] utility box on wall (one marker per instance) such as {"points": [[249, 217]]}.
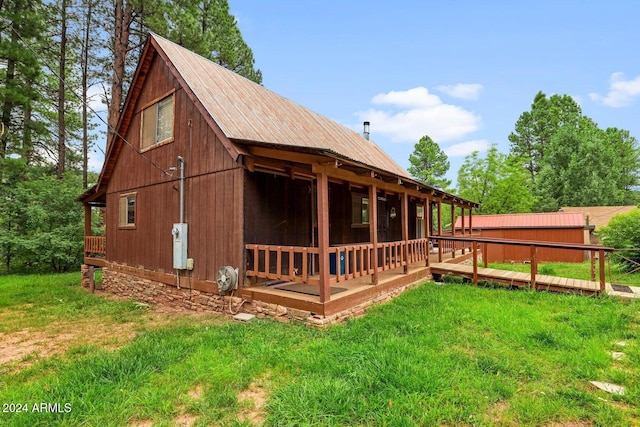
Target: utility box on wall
{"points": [[179, 232]]}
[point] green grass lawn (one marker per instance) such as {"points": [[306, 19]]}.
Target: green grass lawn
{"points": [[439, 355]]}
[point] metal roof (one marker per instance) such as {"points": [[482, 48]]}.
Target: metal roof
{"points": [[599, 216], [247, 111], [528, 220]]}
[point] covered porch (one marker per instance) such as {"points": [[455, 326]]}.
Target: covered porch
{"points": [[345, 236]]}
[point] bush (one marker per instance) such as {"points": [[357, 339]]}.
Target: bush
{"points": [[42, 225], [623, 232]]}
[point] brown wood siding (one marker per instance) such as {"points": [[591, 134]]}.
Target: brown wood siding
{"points": [[213, 187], [501, 253]]}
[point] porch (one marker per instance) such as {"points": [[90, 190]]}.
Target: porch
{"points": [[95, 250], [290, 277]]}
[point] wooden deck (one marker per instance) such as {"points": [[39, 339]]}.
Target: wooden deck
{"points": [[513, 278], [357, 291]]}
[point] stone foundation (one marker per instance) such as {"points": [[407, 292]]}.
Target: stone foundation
{"points": [[153, 292]]}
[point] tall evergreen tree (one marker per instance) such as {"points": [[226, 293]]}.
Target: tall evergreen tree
{"points": [[534, 129], [207, 28], [20, 32], [429, 164]]}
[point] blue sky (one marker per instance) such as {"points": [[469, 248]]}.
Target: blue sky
{"points": [[461, 72]]}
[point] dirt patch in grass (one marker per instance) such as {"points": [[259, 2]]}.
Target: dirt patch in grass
{"points": [[569, 424], [252, 401], [23, 348], [141, 423], [185, 420], [195, 393], [495, 413]]}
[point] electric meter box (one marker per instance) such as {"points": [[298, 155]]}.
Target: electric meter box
{"points": [[179, 232]]}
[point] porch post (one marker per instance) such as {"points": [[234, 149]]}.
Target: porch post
{"points": [[464, 231], [453, 219], [428, 214], [373, 230], [440, 230], [453, 229], [87, 220], [405, 231], [470, 220], [439, 217], [323, 235], [87, 226]]}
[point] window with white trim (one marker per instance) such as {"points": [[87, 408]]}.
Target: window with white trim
{"points": [[157, 123], [127, 210]]}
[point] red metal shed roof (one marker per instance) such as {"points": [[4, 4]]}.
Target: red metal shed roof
{"points": [[529, 220]]}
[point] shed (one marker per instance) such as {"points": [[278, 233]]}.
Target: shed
{"points": [[547, 227]]}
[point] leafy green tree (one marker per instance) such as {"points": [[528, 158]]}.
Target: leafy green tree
{"points": [[623, 231], [429, 164], [534, 129], [498, 182], [627, 164], [42, 224], [588, 166]]}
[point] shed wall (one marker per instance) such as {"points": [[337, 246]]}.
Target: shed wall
{"points": [[503, 253]]}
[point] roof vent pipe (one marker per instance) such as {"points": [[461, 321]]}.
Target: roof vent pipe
{"points": [[366, 131]]}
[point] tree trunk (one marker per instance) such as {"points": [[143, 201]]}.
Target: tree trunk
{"points": [[85, 100], [61, 89], [7, 107], [27, 142], [123, 19]]}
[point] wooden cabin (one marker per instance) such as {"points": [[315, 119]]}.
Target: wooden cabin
{"points": [[558, 227], [218, 191]]}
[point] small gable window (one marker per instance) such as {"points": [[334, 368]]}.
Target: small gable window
{"points": [[127, 210], [359, 209], [157, 123]]}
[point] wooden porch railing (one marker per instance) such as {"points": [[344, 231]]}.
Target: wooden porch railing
{"points": [[534, 245], [299, 264], [95, 245], [294, 263], [451, 246]]}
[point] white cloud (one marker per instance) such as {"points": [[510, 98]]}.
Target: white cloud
{"points": [[420, 113], [470, 91], [621, 92], [465, 148], [418, 97]]}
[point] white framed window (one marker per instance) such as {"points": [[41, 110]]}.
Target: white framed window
{"points": [[127, 210], [157, 123]]}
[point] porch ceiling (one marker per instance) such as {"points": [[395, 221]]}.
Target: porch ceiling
{"points": [[310, 162]]}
